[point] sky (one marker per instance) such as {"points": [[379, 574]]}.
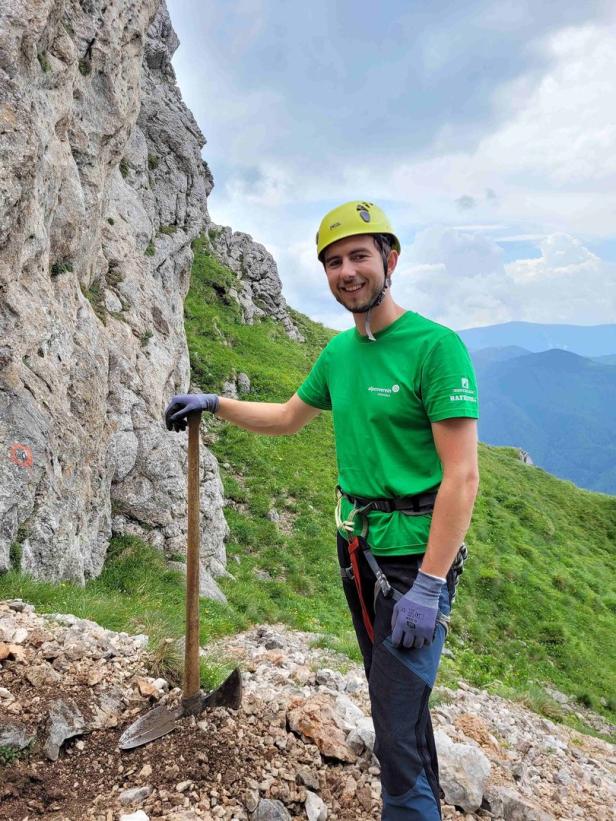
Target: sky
{"points": [[485, 130]]}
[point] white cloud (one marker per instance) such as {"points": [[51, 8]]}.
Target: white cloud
{"points": [[458, 278], [545, 173]]}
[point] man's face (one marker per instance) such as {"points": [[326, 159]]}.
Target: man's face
{"points": [[354, 268]]}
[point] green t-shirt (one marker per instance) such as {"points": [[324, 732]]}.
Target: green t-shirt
{"points": [[384, 396]]}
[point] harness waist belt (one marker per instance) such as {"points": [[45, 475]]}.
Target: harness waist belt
{"points": [[419, 503]]}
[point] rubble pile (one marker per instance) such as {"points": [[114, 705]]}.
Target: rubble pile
{"points": [[301, 746]]}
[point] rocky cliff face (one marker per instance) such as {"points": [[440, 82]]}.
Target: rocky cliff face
{"points": [[102, 190], [260, 293]]}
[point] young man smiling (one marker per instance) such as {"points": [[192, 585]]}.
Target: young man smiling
{"points": [[403, 396]]}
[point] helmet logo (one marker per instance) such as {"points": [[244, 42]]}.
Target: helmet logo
{"points": [[334, 225], [365, 215]]}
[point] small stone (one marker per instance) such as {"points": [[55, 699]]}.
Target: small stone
{"points": [[183, 786], [135, 795], [14, 736], [65, 721], [19, 636], [271, 810], [251, 799], [42, 674], [145, 771], [18, 652], [133, 816], [243, 383], [315, 807], [308, 778], [146, 687], [95, 676]]}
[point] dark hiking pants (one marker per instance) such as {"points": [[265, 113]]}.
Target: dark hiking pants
{"points": [[400, 682]]}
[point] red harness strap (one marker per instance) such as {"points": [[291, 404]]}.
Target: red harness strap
{"points": [[353, 548]]}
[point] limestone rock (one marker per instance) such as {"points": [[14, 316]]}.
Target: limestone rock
{"points": [[316, 810], [463, 772], [271, 810], [261, 289], [507, 803], [315, 718], [135, 795], [102, 190], [14, 735], [65, 721], [135, 816]]}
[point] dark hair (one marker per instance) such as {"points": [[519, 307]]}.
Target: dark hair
{"points": [[384, 242]]}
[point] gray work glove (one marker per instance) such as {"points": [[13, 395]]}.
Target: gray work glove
{"points": [[414, 618], [184, 403]]}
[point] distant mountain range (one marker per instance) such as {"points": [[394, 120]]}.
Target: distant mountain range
{"points": [[585, 340], [557, 405]]}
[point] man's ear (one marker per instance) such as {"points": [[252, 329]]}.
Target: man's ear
{"points": [[392, 261]]}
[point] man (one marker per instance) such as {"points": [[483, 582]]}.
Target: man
{"points": [[403, 396]]}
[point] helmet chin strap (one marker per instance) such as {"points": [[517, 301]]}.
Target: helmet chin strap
{"points": [[374, 304]]}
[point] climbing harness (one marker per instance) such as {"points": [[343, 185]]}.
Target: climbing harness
{"points": [[417, 505]]}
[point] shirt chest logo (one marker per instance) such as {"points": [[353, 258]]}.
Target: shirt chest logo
{"points": [[387, 392]]}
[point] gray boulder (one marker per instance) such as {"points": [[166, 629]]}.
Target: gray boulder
{"points": [[463, 772]]}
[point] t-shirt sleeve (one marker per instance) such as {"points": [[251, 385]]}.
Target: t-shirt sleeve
{"points": [[448, 381], [314, 389]]}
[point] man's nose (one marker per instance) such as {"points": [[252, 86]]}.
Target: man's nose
{"points": [[347, 269]]}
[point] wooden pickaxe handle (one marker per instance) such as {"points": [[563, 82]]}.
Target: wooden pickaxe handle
{"points": [[191, 694]]}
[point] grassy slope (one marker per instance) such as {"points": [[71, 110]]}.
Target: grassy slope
{"points": [[537, 600]]}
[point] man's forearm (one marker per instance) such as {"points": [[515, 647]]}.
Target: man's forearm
{"points": [[260, 417], [450, 521]]}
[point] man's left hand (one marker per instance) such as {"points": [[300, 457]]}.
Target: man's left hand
{"points": [[414, 618]]}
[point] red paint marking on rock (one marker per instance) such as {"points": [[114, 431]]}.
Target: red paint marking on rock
{"points": [[20, 455]]}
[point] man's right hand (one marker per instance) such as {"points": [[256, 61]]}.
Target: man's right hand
{"points": [[184, 403]]}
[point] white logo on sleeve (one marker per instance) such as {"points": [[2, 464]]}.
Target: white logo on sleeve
{"points": [[463, 394]]}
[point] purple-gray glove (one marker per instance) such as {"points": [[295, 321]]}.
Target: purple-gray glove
{"points": [[184, 403], [414, 618]]}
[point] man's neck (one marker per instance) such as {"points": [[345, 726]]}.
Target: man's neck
{"points": [[380, 317]]}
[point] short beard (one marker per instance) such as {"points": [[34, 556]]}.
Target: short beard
{"points": [[374, 300], [361, 309]]}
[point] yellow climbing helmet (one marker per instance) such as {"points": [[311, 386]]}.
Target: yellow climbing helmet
{"points": [[351, 219]]}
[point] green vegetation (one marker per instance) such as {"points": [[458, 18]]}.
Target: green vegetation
{"points": [[15, 552], [124, 167], [110, 220], [43, 61], [153, 162], [167, 229], [113, 277], [536, 603], [85, 67], [150, 249], [145, 338], [94, 295], [60, 267], [10, 754]]}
